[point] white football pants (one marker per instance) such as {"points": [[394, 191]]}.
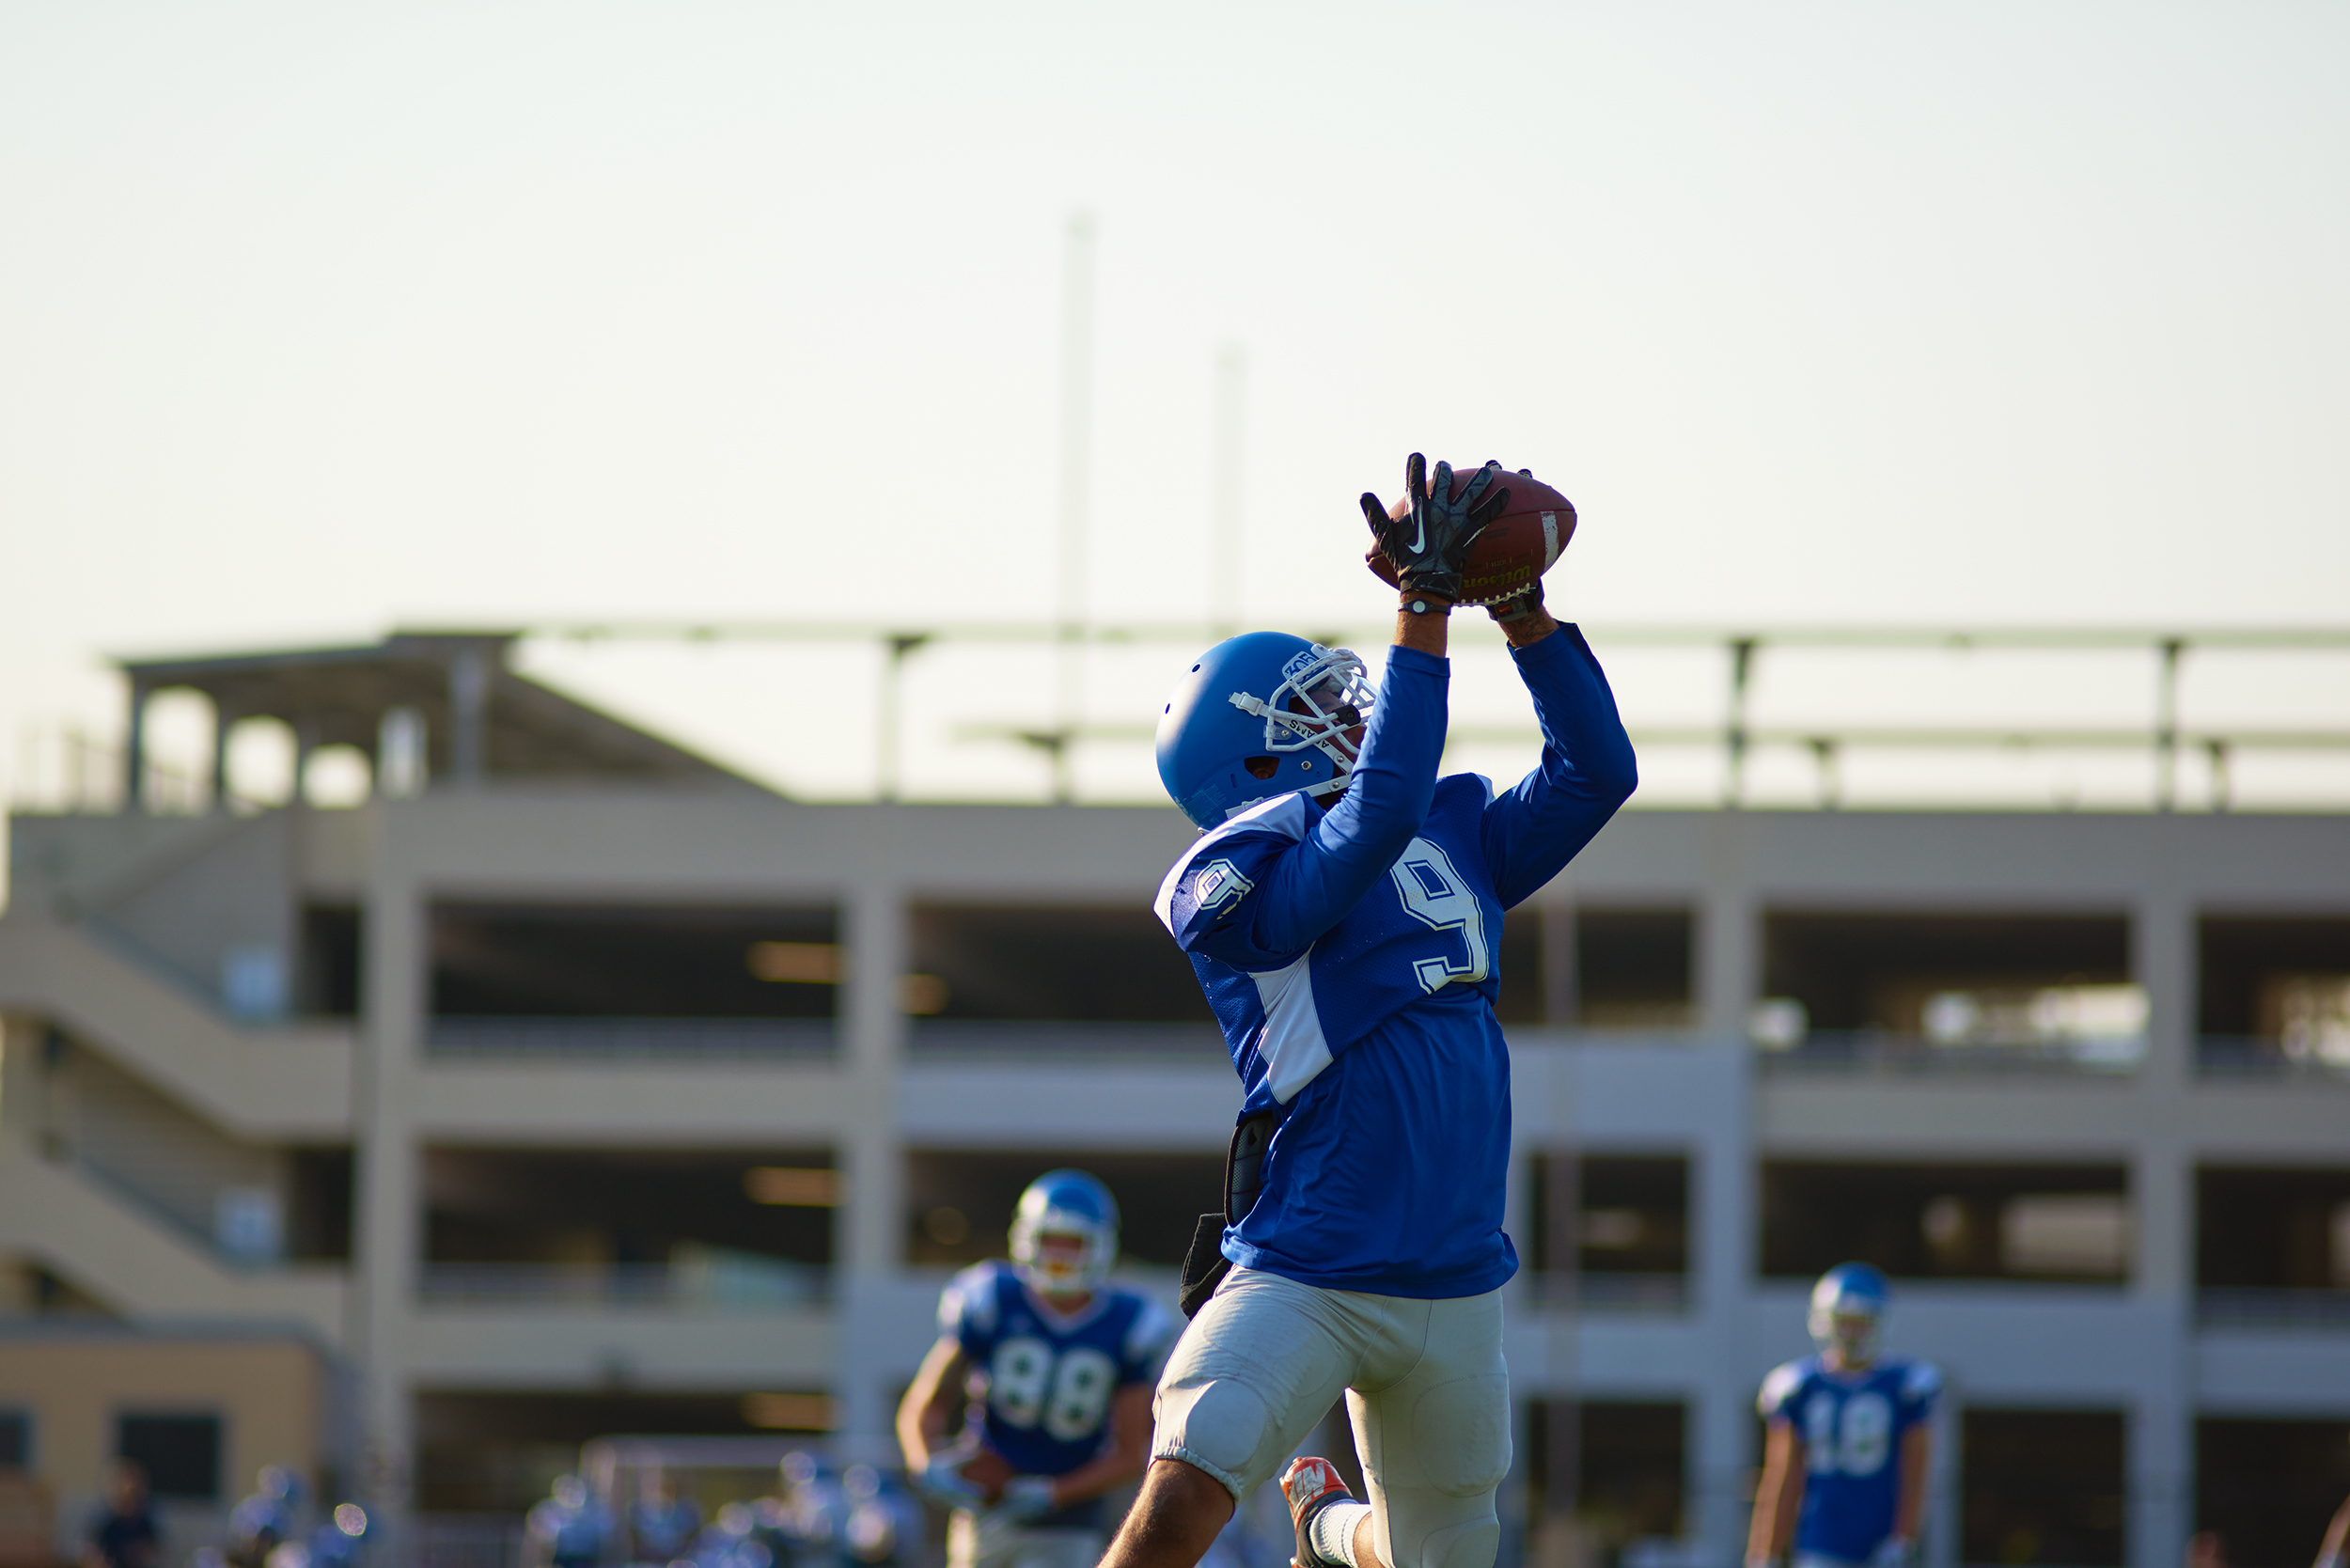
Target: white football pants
{"points": [[1425, 1387], [985, 1541]]}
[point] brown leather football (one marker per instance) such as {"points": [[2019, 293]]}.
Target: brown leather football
{"points": [[987, 1470], [1517, 547]]}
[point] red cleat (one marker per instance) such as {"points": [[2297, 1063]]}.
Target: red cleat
{"points": [[1309, 1487]]}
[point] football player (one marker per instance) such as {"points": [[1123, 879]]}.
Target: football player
{"points": [[1342, 910], [2334, 1550], [1067, 1361], [1849, 1439]]}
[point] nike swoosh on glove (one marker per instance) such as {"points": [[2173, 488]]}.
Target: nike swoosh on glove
{"points": [[1429, 544]]}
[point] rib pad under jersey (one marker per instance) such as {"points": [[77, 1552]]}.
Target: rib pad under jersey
{"points": [[1350, 958]]}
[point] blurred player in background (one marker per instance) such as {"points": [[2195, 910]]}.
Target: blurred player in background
{"points": [[1343, 912], [266, 1519], [1067, 1360], [662, 1524], [1850, 1440], [569, 1527], [2334, 1551]]}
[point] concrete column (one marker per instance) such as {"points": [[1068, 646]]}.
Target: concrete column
{"points": [[222, 721], [134, 751], [1722, 1257], [870, 1240], [1729, 960], [387, 1242], [468, 706], [2162, 1190]]}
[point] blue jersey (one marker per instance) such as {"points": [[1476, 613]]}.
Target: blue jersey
{"points": [[1851, 1425], [1051, 1378], [1351, 957]]}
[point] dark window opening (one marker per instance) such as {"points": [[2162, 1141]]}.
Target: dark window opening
{"points": [[1625, 1218], [2041, 1486], [500, 1452], [1523, 996], [2053, 1222], [327, 982], [1877, 972], [318, 1218], [181, 1454], [2267, 1488], [2269, 990], [2272, 1229], [554, 961], [959, 1202], [743, 1227], [1110, 963], [1611, 1471], [16, 1440], [1632, 968]]}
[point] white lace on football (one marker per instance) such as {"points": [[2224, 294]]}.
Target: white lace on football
{"points": [[1324, 695]]}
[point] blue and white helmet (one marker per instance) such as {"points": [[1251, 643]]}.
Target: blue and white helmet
{"points": [[1262, 714], [1065, 1204], [1848, 1308]]}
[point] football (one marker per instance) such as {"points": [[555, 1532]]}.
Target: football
{"points": [[987, 1470], [1517, 547]]}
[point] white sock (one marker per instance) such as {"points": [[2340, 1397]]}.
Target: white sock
{"points": [[1333, 1535]]}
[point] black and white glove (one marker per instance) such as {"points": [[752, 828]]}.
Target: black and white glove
{"points": [[1027, 1499], [1428, 545]]}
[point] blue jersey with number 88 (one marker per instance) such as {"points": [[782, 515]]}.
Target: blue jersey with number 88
{"points": [[1051, 1378], [1351, 957]]}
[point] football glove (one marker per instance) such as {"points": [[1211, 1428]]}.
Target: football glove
{"points": [[1894, 1551], [1429, 544], [1027, 1498], [943, 1482]]}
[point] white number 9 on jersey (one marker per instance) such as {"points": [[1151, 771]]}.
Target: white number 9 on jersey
{"points": [[1439, 897]]}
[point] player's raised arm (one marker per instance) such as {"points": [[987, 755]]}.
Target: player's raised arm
{"points": [[1587, 770], [1283, 700]]}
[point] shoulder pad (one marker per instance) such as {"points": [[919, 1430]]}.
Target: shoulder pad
{"points": [[968, 1302], [1781, 1387], [1204, 879], [1921, 1380]]}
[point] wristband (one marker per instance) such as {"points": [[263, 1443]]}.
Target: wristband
{"points": [[1519, 606], [1420, 603]]}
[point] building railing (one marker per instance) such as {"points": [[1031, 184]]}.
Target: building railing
{"points": [[600, 1039], [2196, 748], [1850, 1051], [2239, 1307], [2258, 1056], [937, 1040], [1609, 1291], [724, 1283]]}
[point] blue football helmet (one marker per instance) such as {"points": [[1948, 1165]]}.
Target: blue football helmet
{"points": [[1262, 714], [1848, 1308], [1065, 1204]]}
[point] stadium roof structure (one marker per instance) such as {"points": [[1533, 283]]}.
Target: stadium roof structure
{"points": [[472, 717]]}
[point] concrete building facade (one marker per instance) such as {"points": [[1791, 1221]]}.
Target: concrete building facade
{"points": [[588, 1089]]}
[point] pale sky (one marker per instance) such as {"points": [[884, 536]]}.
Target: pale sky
{"points": [[315, 320]]}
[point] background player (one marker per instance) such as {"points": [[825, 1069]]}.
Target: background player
{"points": [[1850, 1438], [1342, 912], [1067, 1360]]}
